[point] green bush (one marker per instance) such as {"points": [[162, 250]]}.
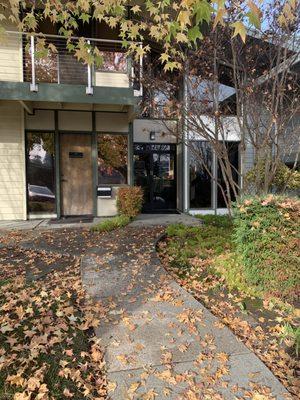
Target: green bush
{"points": [[203, 242], [291, 335], [267, 236], [111, 224], [284, 177], [129, 201], [220, 221]]}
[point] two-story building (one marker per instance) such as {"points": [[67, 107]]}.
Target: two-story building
{"points": [[71, 134]]}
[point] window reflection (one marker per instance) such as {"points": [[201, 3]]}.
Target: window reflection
{"points": [[113, 61], [200, 178], [40, 172], [112, 159], [233, 154]]}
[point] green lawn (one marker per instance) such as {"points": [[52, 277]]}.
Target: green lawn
{"points": [[202, 244], [111, 224]]}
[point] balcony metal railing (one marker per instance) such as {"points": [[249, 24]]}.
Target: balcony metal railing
{"points": [[54, 59]]}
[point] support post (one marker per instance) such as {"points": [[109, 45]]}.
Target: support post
{"points": [[57, 166], [94, 164], [130, 155], [185, 138]]}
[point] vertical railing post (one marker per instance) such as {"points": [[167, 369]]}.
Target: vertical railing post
{"points": [[141, 73], [89, 89], [58, 71], [33, 85], [139, 92]]}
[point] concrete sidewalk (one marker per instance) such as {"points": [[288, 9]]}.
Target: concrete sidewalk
{"points": [[164, 220], [140, 221], [43, 224], [161, 343]]}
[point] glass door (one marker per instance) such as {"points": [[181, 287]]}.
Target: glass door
{"points": [[154, 171]]}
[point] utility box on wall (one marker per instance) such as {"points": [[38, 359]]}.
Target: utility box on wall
{"points": [[104, 192]]}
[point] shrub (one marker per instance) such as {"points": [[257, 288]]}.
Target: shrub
{"points": [[267, 238], [111, 224], [129, 201], [220, 221], [202, 242], [284, 177], [291, 335]]}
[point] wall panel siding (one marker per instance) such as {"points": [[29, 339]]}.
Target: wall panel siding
{"points": [[75, 121], [12, 162], [111, 79], [11, 58], [249, 155], [112, 122], [41, 119]]}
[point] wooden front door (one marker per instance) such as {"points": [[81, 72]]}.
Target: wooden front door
{"points": [[76, 174]]}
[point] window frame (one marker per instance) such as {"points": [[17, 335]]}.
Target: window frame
{"points": [[214, 185], [211, 180], [41, 213]]}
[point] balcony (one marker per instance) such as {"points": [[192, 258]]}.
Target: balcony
{"points": [[49, 66]]}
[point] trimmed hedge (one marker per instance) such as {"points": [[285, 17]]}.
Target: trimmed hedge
{"points": [[129, 201], [267, 238]]}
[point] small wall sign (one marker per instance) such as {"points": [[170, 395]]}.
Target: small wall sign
{"points": [[75, 154]]}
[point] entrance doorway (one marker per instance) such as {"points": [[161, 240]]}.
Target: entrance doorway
{"points": [[155, 172], [76, 174]]}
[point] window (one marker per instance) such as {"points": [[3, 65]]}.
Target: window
{"points": [[200, 179], [40, 160], [112, 159], [233, 152]]}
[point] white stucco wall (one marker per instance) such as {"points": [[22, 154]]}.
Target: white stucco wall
{"points": [[230, 128], [12, 162], [163, 134]]}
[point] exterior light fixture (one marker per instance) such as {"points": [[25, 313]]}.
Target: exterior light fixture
{"points": [[152, 135]]}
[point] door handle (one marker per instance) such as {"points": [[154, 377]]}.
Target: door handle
{"points": [[64, 180]]}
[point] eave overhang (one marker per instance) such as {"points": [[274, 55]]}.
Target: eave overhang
{"points": [[65, 93]]}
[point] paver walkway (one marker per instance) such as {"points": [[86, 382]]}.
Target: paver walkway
{"points": [[160, 343]]}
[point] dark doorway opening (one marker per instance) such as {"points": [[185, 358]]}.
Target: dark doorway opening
{"points": [[155, 172]]}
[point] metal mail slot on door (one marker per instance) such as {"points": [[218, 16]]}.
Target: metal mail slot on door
{"points": [[75, 154], [104, 192]]}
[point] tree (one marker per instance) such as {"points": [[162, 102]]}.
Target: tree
{"points": [[249, 88], [174, 25]]}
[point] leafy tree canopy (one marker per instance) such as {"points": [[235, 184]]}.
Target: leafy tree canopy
{"points": [[174, 25]]}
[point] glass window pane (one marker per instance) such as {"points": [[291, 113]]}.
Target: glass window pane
{"points": [[200, 179], [40, 172], [233, 150], [112, 159]]}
